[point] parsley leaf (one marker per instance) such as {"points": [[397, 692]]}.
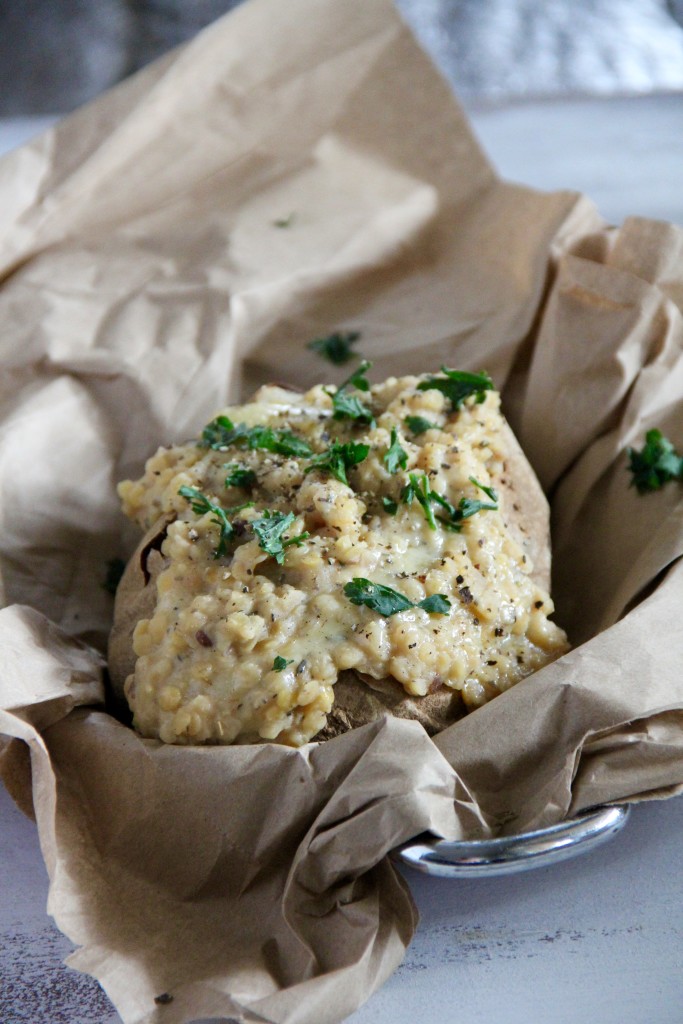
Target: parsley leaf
{"points": [[418, 488], [357, 379], [488, 491], [469, 507], [284, 222], [221, 433], [389, 505], [239, 476], [280, 663], [335, 347], [457, 385], [350, 407], [201, 505], [376, 596], [115, 570], [283, 442], [218, 433], [418, 424], [387, 601], [436, 604], [655, 464], [396, 457], [338, 458], [270, 529]]}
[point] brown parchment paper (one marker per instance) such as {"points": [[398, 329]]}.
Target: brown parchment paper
{"points": [[145, 283]]}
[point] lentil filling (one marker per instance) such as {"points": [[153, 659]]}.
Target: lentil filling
{"points": [[292, 514]]}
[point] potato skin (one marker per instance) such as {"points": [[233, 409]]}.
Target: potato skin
{"points": [[527, 512], [359, 699], [136, 597]]}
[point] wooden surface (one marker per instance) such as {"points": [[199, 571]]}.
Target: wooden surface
{"points": [[597, 938]]}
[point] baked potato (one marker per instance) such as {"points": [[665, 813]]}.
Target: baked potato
{"points": [[317, 560]]}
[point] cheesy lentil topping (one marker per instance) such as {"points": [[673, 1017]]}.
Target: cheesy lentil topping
{"points": [[269, 542]]}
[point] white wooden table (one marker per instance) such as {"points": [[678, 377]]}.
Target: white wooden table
{"points": [[599, 938]]}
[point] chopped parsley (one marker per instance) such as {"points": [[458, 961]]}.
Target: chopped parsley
{"points": [[396, 457], [221, 433], [418, 488], [280, 663], [468, 507], [201, 505], [338, 458], [218, 433], [283, 442], [488, 491], [436, 604], [270, 530], [358, 378], [457, 385], [284, 222], [350, 407], [336, 347], [239, 476], [655, 464], [418, 425], [115, 570], [389, 505], [388, 602]]}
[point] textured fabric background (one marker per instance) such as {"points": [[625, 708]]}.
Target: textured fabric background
{"points": [[57, 54]]}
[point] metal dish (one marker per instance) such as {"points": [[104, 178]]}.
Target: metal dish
{"points": [[509, 854]]}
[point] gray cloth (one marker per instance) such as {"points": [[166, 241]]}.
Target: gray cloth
{"points": [[57, 54], [497, 50]]}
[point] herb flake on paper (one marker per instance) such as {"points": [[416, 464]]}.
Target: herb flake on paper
{"points": [[655, 464], [285, 222], [335, 347]]}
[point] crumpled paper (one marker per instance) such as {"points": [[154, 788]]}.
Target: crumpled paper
{"points": [[290, 172]]}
